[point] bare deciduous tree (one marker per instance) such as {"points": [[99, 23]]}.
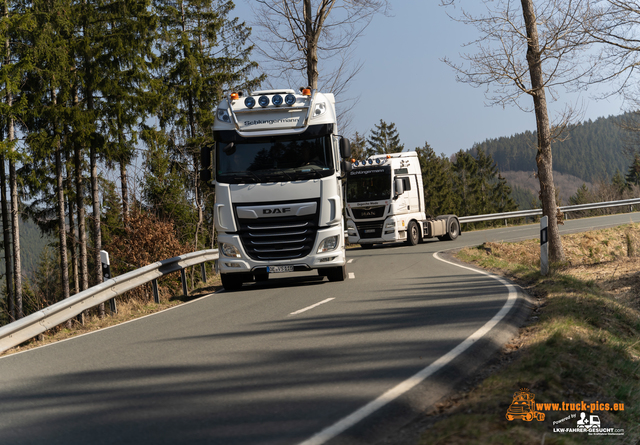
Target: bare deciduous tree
{"points": [[296, 36], [523, 52]]}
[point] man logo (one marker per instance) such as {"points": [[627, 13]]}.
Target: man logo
{"points": [[276, 211]]}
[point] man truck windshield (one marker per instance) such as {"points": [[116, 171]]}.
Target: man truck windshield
{"points": [[369, 185], [255, 160]]}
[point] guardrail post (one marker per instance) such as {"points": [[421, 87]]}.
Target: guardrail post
{"points": [[203, 269], [183, 277], [156, 294], [544, 246], [106, 275]]}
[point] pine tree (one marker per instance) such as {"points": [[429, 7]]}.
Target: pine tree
{"points": [[633, 175], [358, 147], [203, 52], [436, 178], [384, 139]]}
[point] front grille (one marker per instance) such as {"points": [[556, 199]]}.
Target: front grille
{"points": [[368, 212], [279, 238], [369, 230]]}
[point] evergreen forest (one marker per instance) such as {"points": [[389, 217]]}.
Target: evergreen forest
{"points": [[591, 150]]}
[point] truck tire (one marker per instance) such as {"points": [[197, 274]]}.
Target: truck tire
{"points": [[453, 229], [413, 234], [338, 273], [231, 281], [261, 276]]}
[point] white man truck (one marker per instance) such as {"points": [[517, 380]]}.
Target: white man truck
{"points": [[278, 166], [385, 203]]}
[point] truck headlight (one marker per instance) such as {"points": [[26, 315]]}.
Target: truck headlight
{"points": [[229, 250], [390, 225], [328, 244], [223, 115], [319, 109]]}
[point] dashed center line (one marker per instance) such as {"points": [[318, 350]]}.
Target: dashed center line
{"points": [[352, 276], [312, 306]]}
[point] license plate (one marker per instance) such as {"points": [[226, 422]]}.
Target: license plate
{"points": [[278, 269]]}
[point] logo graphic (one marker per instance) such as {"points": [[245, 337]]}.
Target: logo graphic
{"points": [[524, 407], [592, 422], [276, 210]]}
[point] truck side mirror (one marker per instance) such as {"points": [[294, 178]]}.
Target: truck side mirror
{"points": [[399, 184], [345, 166], [345, 148]]}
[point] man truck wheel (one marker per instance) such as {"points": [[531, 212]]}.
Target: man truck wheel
{"points": [[454, 229], [413, 234], [261, 276], [337, 273], [231, 281]]}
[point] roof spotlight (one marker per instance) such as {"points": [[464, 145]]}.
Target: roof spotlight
{"points": [[263, 101], [277, 100], [249, 102], [290, 99]]}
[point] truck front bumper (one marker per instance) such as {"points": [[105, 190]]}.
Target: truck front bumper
{"points": [[314, 260]]}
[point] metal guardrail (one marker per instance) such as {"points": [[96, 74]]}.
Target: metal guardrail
{"points": [[537, 212], [34, 324]]}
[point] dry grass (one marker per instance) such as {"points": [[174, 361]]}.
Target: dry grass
{"points": [[581, 343]]}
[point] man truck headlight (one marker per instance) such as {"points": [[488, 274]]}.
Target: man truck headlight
{"points": [[229, 250], [319, 109], [223, 115], [328, 244]]}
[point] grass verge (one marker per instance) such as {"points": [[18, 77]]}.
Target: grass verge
{"points": [[581, 344]]}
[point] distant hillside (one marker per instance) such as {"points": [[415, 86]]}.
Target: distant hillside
{"points": [[523, 182], [593, 150]]}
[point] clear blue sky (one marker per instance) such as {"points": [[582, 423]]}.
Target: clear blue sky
{"points": [[404, 81]]}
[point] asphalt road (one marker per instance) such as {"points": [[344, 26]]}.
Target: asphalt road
{"points": [[294, 360]]}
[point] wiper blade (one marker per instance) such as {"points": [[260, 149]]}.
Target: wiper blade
{"points": [[278, 173], [312, 172], [238, 176]]}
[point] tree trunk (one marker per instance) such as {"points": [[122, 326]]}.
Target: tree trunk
{"points": [[125, 193], [73, 240], [95, 198], [6, 235], [62, 226], [311, 51], [82, 227], [543, 156]]}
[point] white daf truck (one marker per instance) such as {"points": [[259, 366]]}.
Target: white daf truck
{"points": [[385, 203], [278, 167]]}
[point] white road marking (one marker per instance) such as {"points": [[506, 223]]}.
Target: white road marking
{"points": [[392, 394], [350, 261], [312, 306], [352, 276]]}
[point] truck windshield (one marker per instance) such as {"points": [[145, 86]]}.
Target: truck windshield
{"points": [[273, 159], [369, 185]]}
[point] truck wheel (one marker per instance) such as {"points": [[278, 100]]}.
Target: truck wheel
{"points": [[453, 229], [323, 272], [337, 273], [231, 281], [413, 234], [261, 276]]}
